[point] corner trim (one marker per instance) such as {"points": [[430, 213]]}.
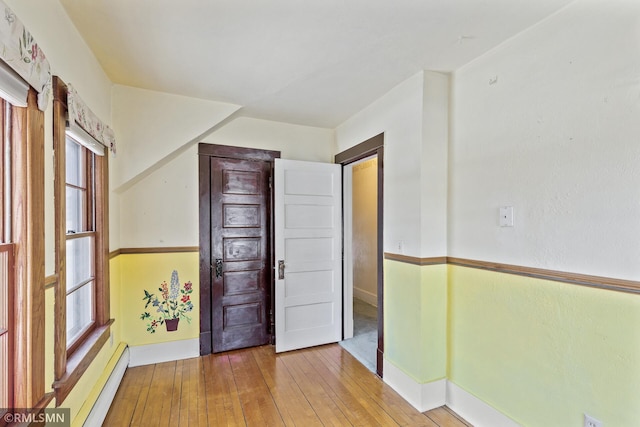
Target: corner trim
{"points": [[474, 410], [423, 397], [50, 281], [114, 254], [431, 395]]}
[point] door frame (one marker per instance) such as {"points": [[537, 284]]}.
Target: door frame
{"points": [[370, 147], [205, 152]]}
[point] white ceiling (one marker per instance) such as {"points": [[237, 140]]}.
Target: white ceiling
{"points": [[299, 61]]}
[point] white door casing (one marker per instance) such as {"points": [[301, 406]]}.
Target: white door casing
{"points": [[308, 244]]}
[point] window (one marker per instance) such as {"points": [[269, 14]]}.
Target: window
{"points": [[82, 293], [80, 241]]}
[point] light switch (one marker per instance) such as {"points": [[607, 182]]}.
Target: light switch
{"points": [[506, 216]]}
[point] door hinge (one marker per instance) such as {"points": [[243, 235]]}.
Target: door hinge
{"points": [[271, 182]]}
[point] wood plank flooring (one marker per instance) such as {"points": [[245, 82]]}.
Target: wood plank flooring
{"points": [[321, 386]]}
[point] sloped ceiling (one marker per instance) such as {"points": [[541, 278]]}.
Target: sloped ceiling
{"points": [[307, 62]]}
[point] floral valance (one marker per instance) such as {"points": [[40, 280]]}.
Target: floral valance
{"points": [[87, 120], [21, 52]]}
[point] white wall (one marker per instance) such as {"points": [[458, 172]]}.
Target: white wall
{"points": [[434, 172], [294, 142], [414, 119], [161, 209], [399, 115], [72, 60], [74, 63], [151, 126], [549, 123], [365, 230]]}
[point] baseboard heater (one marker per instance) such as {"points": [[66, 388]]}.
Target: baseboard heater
{"points": [[103, 403]]}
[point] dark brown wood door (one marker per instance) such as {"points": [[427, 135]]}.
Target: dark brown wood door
{"points": [[236, 229], [240, 253]]}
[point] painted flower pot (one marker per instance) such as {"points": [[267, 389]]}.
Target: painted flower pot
{"points": [[168, 306], [172, 324]]}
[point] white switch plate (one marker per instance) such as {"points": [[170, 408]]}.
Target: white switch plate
{"points": [[506, 216], [589, 421]]}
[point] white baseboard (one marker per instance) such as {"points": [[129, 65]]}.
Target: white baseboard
{"points": [[368, 297], [474, 410], [164, 352], [101, 407], [423, 397]]}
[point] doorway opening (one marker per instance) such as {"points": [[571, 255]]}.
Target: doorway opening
{"points": [[236, 273], [363, 332], [360, 181]]}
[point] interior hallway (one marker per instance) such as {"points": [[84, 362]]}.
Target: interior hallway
{"points": [[256, 387], [364, 343]]}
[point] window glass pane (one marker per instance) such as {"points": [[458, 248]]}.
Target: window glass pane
{"points": [[79, 311], [76, 208], [79, 261], [75, 163]]}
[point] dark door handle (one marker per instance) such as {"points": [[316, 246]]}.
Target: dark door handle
{"points": [[218, 267], [281, 269]]}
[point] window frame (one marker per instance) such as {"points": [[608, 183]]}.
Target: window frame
{"points": [[87, 229], [70, 363], [27, 234]]}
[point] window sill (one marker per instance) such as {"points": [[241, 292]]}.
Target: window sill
{"points": [[80, 360]]}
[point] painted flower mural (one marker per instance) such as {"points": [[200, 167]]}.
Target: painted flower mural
{"points": [[173, 304]]}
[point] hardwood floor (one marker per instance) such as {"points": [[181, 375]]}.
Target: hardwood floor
{"points": [[321, 386]]}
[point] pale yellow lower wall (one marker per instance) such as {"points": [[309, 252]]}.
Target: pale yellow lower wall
{"points": [[415, 319], [85, 393], [140, 272], [545, 352], [130, 275], [517, 343]]}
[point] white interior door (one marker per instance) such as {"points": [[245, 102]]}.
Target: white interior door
{"points": [[308, 253]]}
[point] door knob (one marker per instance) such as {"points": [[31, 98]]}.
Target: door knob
{"points": [[281, 269], [218, 267]]}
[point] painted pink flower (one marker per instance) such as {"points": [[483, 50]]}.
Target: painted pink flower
{"points": [[34, 51], [187, 286], [185, 298], [165, 290]]}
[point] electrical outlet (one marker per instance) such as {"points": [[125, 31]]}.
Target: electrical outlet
{"points": [[589, 421], [506, 216]]}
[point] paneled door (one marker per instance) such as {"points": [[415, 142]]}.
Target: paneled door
{"points": [[238, 265], [308, 253]]}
